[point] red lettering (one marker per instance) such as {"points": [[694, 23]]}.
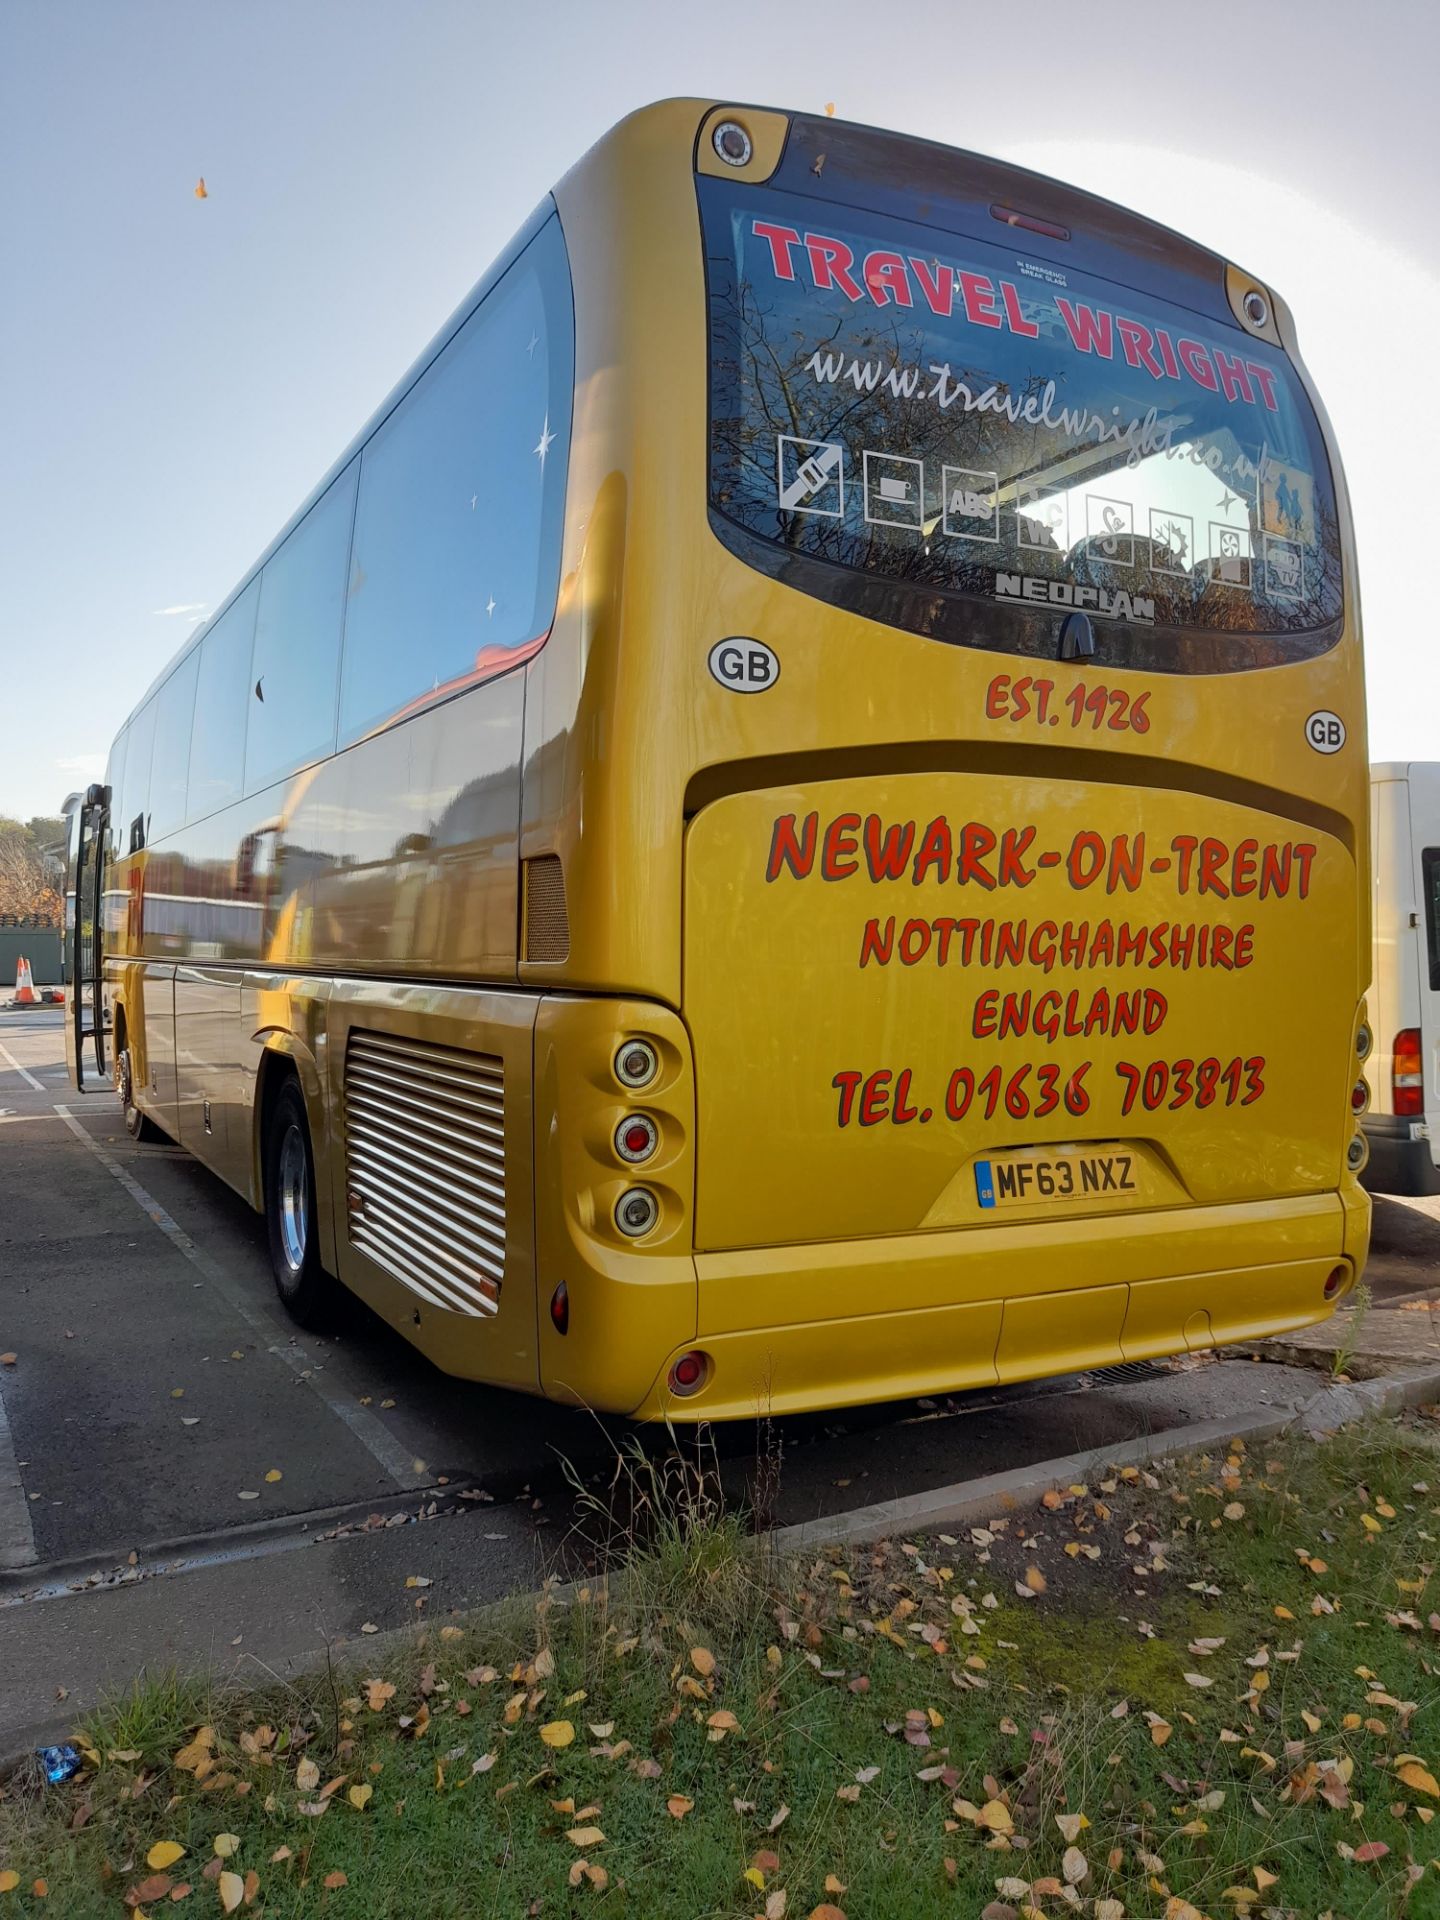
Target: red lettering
{"points": [[997, 697], [982, 1021], [886, 278], [1167, 353], [1242, 881], [837, 861], [1127, 863], [1156, 1008], [1234, 380], [1183, 846], [1027, 329], [781, 240], [1090, 331], [787, 851], [1265, 380], [1137, 342], [887, 850], [877, 945], [1197, 364], [975, 842], [1212, 859], [847, 1083], [914, 941], [937, 283], [830, 264], [1304, 854], [874, 1102], [1014, 844], [936, 850], [978, 293], [1085, 860], [1274, 872], [1014, 1014], [903, 1110]]}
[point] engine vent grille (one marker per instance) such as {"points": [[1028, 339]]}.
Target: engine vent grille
{"points": [[425, 1167], [547, 922]]}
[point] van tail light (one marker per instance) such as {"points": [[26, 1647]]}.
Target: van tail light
{"points": [[1407, 1075]]}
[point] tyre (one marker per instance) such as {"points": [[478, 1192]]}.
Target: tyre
{"points": [[310, 1295], [138, 1125]]}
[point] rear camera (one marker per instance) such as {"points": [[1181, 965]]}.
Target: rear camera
{"points": [[636, 1211], [732, 143]]}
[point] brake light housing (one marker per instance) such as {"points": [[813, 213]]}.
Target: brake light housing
{"points": [[1407, 1074]]}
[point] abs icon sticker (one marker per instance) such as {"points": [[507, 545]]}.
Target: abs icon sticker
{"points": [[1325, 731], [744, 666]]}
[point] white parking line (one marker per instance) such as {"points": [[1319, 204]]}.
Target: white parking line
{"points": [[23, 1072], [372, 1434]]}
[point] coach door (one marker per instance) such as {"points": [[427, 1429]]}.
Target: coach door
{"points": [[85, 1050]]}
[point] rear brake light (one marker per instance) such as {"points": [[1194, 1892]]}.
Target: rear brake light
{"points": [[636, 1138], [1407, 1076], [1359, 1097], [1030, 222]]}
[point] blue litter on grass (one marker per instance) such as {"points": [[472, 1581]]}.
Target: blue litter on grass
{"points": [[60, 1763]]}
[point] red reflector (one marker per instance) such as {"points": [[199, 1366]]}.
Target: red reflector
{"points": [[1357, 1096], [637, 1138], [1407, 1074], [1335, 1281], [687, 1375], [560, 1308], [1030, 222]]}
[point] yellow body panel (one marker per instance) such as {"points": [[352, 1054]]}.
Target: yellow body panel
{"points": [[815, 1263]]}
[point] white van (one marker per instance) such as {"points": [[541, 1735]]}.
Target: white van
{"points": [[1403, 1071]]}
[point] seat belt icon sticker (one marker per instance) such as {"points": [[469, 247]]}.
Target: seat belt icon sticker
{"points": [[810, 476]]}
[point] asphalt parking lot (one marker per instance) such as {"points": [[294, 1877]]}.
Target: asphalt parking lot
{"points": [[185, 1476]]}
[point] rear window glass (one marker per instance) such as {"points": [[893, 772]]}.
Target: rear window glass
{"points": [[1430, 870], [942, 411]]}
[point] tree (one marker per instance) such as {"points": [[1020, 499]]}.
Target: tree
{"points": [[31, 876]]}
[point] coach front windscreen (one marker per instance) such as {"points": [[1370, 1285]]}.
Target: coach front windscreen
{"points": [[939, 428]]}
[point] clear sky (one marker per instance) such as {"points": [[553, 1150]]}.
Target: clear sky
{"points": [[175, 374]]}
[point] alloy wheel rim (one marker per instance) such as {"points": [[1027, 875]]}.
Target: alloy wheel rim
{"points": [[294, 1198]]}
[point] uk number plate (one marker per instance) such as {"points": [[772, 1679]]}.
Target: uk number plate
{"points": [[1012, 1178]]}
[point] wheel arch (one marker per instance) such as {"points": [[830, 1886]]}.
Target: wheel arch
{"points": [[285, 1058]]}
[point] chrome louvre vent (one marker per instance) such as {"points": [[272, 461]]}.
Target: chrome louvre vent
{"points": [[425, 1167]]}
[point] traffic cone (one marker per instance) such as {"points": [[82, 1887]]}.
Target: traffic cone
{"points": [[25, 994]]}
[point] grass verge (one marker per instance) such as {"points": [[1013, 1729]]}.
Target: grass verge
{"points": [[1203, 1690]]}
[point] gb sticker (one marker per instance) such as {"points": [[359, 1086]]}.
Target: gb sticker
{"points": [[744, 666], [1325, 731]]}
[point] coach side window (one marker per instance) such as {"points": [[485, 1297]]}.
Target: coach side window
{"points": [[131, 816], [170, 760], [296, 658], [217, 748], [456, 560]]}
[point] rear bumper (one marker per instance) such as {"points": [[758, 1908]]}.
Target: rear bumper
{"points": [[1398, 1164], [1005, 1304]]}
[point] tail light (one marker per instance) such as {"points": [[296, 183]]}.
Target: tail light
{"points": [[1406, 1074], [636, 1212], [689, 1373], [636, 1138], [1357, 1153], [1359, 1096]]}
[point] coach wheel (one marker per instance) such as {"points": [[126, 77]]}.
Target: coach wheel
{"points": [[138, 1125], [309, 1293]]}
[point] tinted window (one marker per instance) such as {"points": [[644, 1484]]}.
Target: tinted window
{"points": [[217, 749], [1430, 871], [115, 780], [130, 815], [293, 670], [457, 532], [935, 409], [170, 760]]}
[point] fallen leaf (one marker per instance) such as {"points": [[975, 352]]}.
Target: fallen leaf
{"points": [[334, 1881], [1421, 1778], [377, 1692], [1074, 1866], [557, 1733], [778, 1820], [677, 1806], [226, 1844], [775, 1905], [9, 1360], [1071, 1826], [359, 1797], [155, 1888], [703, 1661], [996, 1816], [1035, 1580], [1372, 1850], [164, 1854], [585, 1836], [231, 1889], [273, 1475], [1199, 1680], [307, 1776], [825, 1911]]}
